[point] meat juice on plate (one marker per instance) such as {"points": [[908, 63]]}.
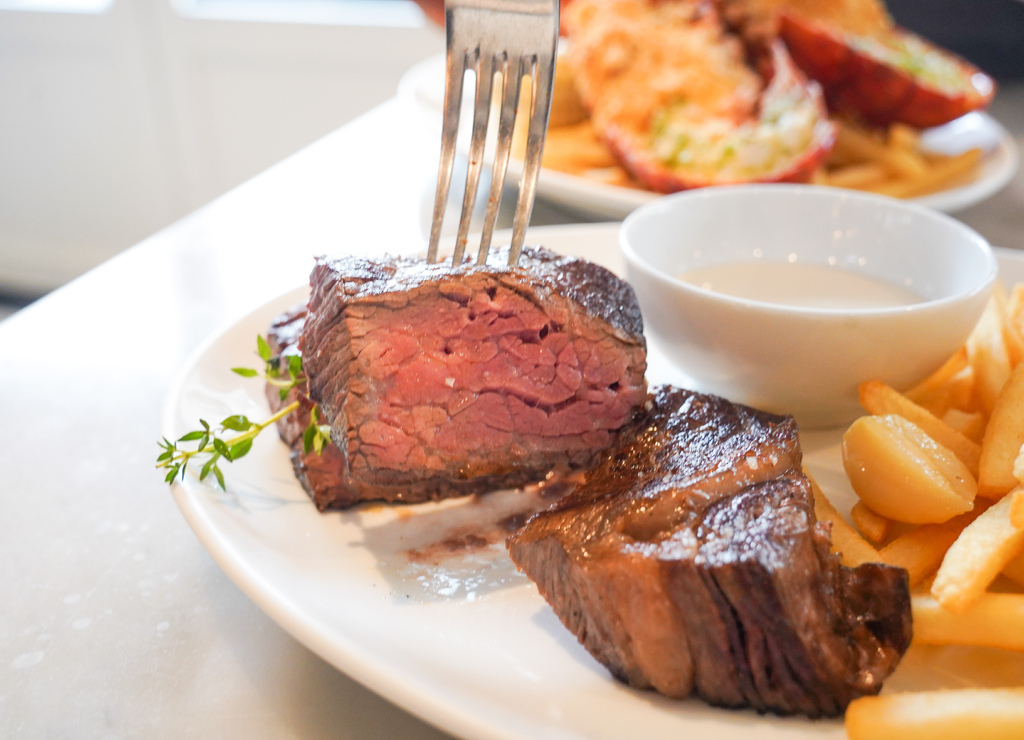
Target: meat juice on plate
{"points": [[800, 284]]}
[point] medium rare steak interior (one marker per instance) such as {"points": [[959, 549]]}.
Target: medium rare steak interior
{"points": [[438, 382], [690, 561]]}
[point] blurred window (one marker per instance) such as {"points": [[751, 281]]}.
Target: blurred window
{"points": [[336, 12], [58, 6]]}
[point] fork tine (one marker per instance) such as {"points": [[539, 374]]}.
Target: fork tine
{"points": [[511, 82], [456, 70], [542, 72], [481, 113]]}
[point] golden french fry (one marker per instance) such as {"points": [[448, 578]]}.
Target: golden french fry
{"points": [[971, 424], [855, 144], [1015, 308], [1012, 338], [920, 551], [940, 174], [993, 621], [972, 562], [904, 137], [951, 714], [861, 175], [566, 106], [1017, 508], [575, 149], [1003, 438], [851, 547], [942, 376], [880, 399], [988, 356], [1014, 570], [873, 526], [903, 474], [951, 386]]}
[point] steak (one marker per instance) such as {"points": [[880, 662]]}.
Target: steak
{"points": [[690, 561], [439, 382], [323, 475]]}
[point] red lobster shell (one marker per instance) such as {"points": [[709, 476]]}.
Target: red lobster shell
{"points": [[888, 77]]}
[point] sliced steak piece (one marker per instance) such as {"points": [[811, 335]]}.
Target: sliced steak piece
{"points": [[439, 383], [690, 561], [324, 475]]}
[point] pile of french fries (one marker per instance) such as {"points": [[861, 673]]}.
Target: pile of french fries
{"points": [[939, 473], [890, 162]]}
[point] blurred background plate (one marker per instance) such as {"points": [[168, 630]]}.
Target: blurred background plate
{"points": [[423, 85]]}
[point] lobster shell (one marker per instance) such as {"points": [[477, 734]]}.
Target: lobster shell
{"points": [[878, 91]]}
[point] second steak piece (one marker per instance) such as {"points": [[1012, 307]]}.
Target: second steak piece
{"points": [[690, 561], [438, 382]]}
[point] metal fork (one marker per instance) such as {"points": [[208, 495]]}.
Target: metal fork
{"points": [[507, 39]]}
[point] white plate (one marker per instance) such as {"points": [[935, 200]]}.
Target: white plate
{"points": [[470, 647], [423, 84]]}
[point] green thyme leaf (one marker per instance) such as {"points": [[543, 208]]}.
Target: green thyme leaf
{"points": [[237, 423], [240, 449], [245, 372], [191, 437], [220, 477], [294, 365], [263, 348], [307, 438], [207, 467], [222, 448]]}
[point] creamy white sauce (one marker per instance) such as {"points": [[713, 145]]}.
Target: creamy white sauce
{"points": [[800, 284]]}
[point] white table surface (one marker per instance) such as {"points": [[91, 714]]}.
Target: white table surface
{"points": [[114, 622]]}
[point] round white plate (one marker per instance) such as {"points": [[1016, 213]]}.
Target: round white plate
{"points": [[469, 645], [423, 84]]}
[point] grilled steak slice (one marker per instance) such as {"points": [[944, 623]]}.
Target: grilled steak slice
{"points": [[690, 561], [322, 475], [439, 383]]}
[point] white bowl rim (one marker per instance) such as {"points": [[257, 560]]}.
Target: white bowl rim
{"points": [[975, 239]]}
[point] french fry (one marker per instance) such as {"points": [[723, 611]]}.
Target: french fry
{"points": [[860, 176], [873, 526], [1015, 308], [904, 137], [940, 174], [1017, 508], [988, 356], [878, 398], [903, 474], [1003, 438], [971, 424], [993, 621], [951, 386], [920, 551], [1014, 570], [980, 552], [952, 714], [576, 149], [851, 547], [1012, 337]]}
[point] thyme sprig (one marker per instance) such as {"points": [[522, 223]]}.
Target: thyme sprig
{"points": [[215, 443]]}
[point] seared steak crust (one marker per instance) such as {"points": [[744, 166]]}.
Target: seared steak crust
{"points": [[690, 561], [439, 383]]}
